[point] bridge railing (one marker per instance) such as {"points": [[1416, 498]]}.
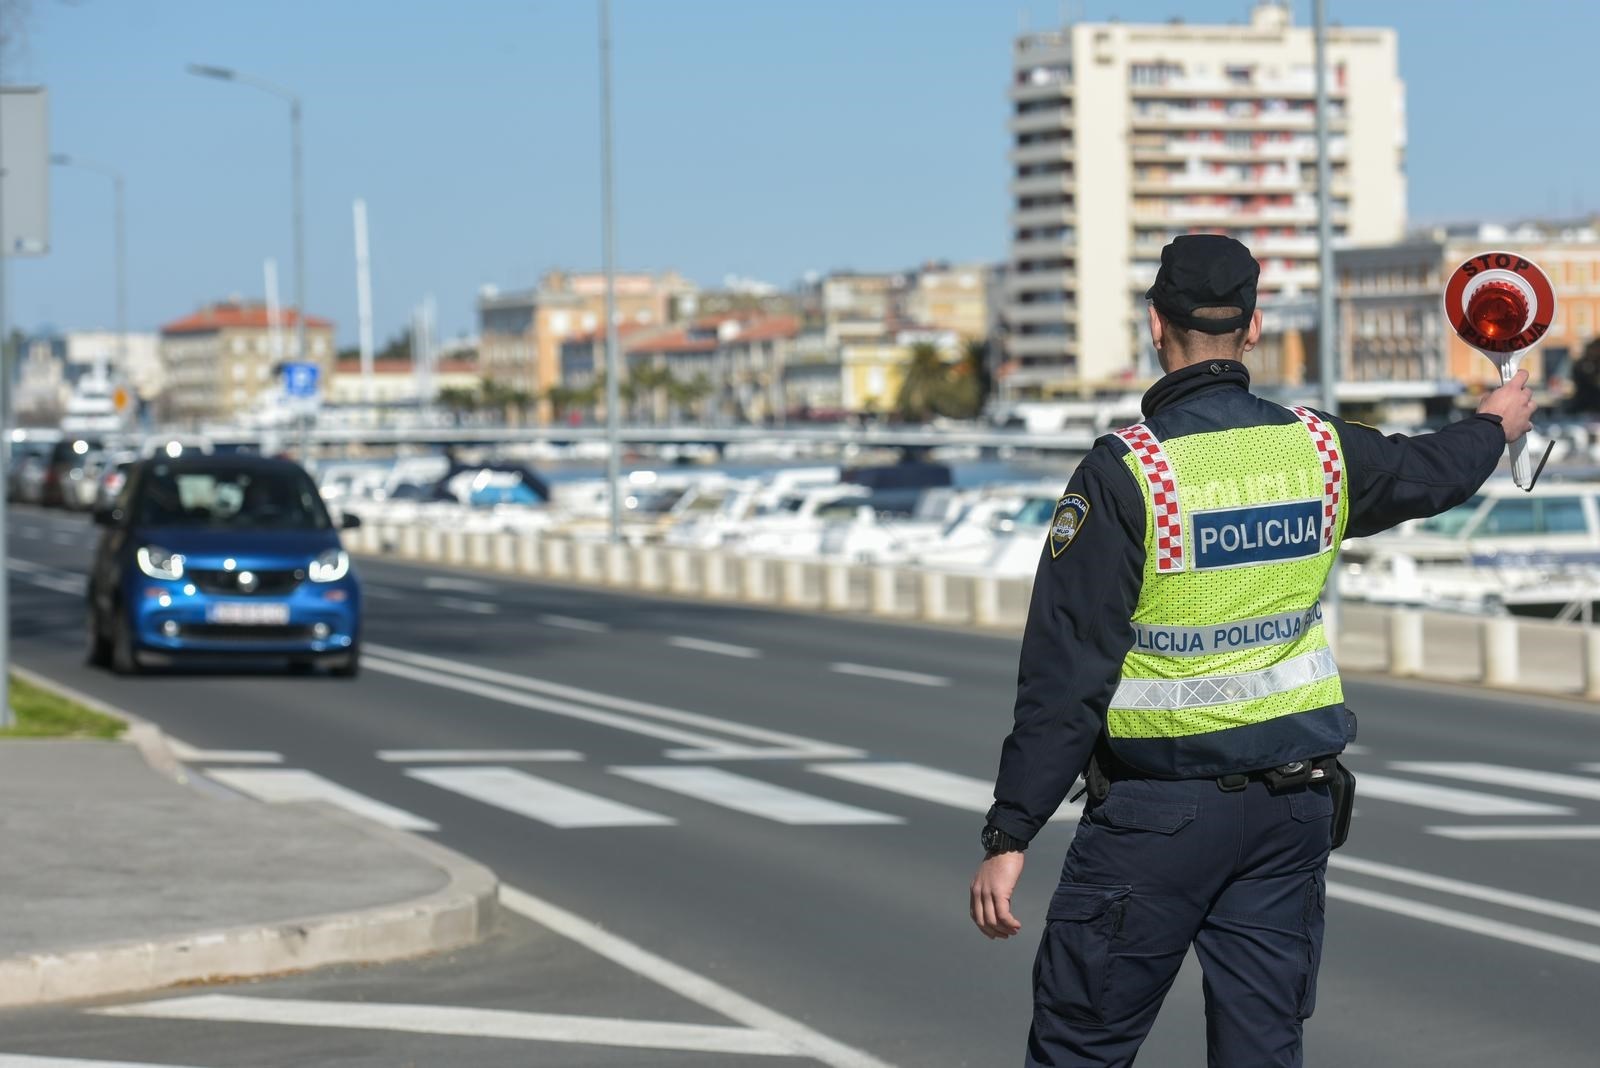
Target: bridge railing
{"points": [[1500, 651]]}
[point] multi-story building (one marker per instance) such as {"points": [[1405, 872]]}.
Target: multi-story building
{"points": [[225, 359], [949, 297], [395, 383], [1124, 136], [1393, 337], [522, 331]]}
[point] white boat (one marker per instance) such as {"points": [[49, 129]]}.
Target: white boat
{"points": [[1557, 524]]}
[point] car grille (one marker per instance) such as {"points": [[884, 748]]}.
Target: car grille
{"points": [[254, 632], [267, 582]]}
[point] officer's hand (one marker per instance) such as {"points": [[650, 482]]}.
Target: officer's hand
{"points": [[991, 895], [1513, 403]]}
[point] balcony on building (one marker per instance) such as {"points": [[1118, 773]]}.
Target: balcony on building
{"points": [[1035, 281], [1042, 184], [1058, 216], [1056, 151], [1037, 346], [1041, 121]]}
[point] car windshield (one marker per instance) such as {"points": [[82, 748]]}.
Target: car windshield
{"points": [[253, 498]]}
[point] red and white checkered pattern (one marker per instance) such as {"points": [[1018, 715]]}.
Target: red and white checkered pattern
{"points": [[1332, 469], [1164, 510]]}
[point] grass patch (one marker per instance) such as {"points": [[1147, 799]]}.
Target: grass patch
{"points": [[45, 714]]}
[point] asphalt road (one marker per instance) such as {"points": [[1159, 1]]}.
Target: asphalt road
{"points": [[616, 757]]}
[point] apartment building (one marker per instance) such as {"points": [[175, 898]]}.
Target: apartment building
{"points": [[1395, 341], [952, 297], [522, 332], [220, 362], [1125, 136], [396, 383]]}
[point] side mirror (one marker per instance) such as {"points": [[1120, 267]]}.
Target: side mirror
{"points": [[349, 521]]}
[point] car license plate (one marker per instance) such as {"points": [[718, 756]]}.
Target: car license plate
{"points": [[249, 613]]}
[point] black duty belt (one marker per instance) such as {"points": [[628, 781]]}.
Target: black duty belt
{"points": [[1104, 769]]}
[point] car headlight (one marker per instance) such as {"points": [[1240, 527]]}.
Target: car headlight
{"points": [[160, 564], [331, 566]]}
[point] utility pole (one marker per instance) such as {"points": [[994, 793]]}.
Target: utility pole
{"points": [[297, 181], [1326, 349], [364, 300], [6, 717], [608, 255]]}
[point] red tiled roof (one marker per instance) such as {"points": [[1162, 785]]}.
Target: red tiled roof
{"points": [[624, 329], [239, 317], [767, 329], [673, 341], [403, 367]]}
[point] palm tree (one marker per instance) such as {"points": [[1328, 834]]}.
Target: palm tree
{"points": [[924, 380]]}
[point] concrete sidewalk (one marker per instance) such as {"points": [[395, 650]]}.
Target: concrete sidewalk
{"points": [[116, 879]]}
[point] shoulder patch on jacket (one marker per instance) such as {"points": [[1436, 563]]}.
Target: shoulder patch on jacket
{"points": [[1071, 511]]}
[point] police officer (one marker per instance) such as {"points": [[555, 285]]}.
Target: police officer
{"points": [[1175, 655]]}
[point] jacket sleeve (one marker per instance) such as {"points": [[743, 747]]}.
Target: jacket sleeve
{"points": [[1396, 478], [1078, 631]]}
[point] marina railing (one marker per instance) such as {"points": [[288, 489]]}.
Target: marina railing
{"points": [[1501, 651]]}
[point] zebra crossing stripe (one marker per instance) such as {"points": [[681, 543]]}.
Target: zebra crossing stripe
{"points": [[538, 799], [23, 1060], [277, 785], [1544, 782], [465, 1022], [1448, 799], [753, 797], [915, 780]]}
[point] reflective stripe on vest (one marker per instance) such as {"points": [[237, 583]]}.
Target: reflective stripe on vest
{"points": [[1162, 482], [1159, 695], [1332, 469]]}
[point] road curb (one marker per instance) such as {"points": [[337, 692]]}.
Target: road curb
{"points": [[458, 914], [143, 735]]}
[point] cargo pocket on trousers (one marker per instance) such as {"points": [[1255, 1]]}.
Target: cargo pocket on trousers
{"points": [[1069, 975], [1311, 803], [1316, 906]]}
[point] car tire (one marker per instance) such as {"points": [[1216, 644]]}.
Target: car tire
{"points": [[124, 658], [350, 666], [98, 650]]}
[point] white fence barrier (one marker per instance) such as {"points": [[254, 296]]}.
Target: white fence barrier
{"points": [[1501, 651]]}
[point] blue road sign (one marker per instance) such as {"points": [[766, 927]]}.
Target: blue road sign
{"points": [[300, 379]]}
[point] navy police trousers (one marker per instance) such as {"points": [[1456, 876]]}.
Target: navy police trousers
{"points": [[1157, 867]]}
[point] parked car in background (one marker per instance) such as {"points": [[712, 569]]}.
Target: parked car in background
{"points": [[30, 448], [64, 468], [113, 476], [230, 556]]}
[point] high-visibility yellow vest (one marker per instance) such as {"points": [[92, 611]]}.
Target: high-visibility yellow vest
{"points": [[1230, 668]]}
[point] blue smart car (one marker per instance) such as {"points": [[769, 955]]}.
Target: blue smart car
{"points": [[217, 556]]}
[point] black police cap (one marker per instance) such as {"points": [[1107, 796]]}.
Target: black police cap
{"points": [[1205, 271]]}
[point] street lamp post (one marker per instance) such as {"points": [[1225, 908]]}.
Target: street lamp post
{"points": [[297, 168], [121, 265], [609, 254]]}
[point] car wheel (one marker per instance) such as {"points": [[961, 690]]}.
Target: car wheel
{"points": [[98, 651], [350, 666], [124, 659]]}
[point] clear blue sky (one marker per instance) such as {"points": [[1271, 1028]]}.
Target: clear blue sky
{"points": [[757, 137]]}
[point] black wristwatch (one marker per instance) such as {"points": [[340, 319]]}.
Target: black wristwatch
{"points": [[997, 841]]}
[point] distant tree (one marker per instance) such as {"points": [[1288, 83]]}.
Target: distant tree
{"points": [[924, 382], [458, 400], [1586, 379]]}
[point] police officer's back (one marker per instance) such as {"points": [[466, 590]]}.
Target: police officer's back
{"points": [[1175, 655]]}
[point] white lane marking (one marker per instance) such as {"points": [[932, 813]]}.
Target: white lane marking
{"points": [[1590, 767], [16, 563], [22, 1060], [72, 586], [476, 756], [465, 1022], [1466, 921], [587, 626], [754, 797], [497, 686], [914, 780], [866, 671], [538, 799], [294, 784], [1447, 799], [1507, 898], [1357, 750], [190, 755], [30, 532], [1552, 833], [461, 604], [64, 537], [381, 593], [685, 983], [1544, 782], [457, 585], [700, 645]]}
